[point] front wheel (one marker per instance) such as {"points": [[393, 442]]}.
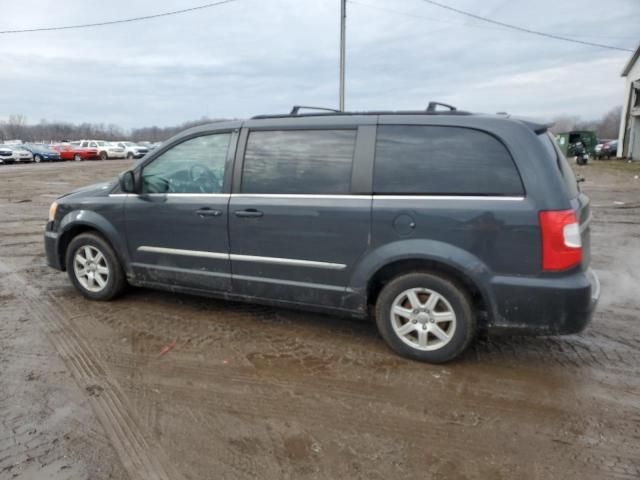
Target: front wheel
{"points": [[103, 156], [37, 158], [77, 157], [94, 268], [425, 317]]}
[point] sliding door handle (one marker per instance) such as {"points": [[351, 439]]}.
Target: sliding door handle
{"points": [[249, 212], [208, 212]]}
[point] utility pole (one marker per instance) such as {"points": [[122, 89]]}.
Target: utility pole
{"points": [[343, 26]]}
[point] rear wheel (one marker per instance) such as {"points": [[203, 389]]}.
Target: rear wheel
{"points": [[94, 268], [425, 317]]}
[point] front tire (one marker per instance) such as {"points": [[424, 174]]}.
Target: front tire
{"points": [[425, 317], [77, 157], [130, 156], [93, 267], [37, 158], [103, 156]]}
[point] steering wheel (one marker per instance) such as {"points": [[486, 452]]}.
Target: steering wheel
{"points": [[204, 178]]}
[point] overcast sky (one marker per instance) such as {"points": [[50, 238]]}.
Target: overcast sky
{"points": [[262, 56]]}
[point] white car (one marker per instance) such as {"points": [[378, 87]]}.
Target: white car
{"points": [[6, 155], [132, 149], [106, 150], [15, 154]]}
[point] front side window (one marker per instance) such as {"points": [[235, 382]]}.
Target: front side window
{"points": [[434, 160], [298, 162], [193, 166]]}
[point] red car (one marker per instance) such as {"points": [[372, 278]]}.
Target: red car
{"points": [[74, 152]]}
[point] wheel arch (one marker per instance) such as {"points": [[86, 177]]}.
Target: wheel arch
{"points": [[72, 226], [399, 267], [382, 265]]}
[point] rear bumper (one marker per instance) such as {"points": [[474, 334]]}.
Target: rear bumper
{"points": [[544, 306], [51, 249]]}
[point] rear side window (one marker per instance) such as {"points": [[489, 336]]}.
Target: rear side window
{"points": [[560, 160], [298, 162], [434, 160]]}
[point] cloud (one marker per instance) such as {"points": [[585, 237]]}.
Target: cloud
{"points": [[256, 56]]}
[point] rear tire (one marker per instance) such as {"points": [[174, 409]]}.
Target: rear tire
{"points": [[436, 322], [93, 267]]}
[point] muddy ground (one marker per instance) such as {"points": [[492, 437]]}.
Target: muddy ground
{"points": [[255, 392]]}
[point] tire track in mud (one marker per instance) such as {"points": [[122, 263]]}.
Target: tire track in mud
{"points": [[140, 455]]}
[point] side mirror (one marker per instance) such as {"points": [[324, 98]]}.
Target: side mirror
{"points": [[127, 181]]}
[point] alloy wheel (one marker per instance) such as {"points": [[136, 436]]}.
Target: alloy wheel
{"points": [[91, 268], [423, 319]]}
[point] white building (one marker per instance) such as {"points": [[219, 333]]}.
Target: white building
{"points": [[629, 136]]}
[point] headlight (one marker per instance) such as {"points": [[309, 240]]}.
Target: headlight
{"points": [[52, 211]]}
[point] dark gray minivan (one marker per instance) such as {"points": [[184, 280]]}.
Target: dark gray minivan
{"points": [[435, 223]]}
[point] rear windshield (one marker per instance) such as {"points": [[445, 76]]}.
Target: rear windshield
{"points": [[550, 145]]}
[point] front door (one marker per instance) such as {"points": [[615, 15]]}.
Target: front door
{"points": [[177, 226], [296, 226]]}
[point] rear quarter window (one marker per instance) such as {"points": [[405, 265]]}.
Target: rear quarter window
{"points": [[435, 160], [554, 152]]}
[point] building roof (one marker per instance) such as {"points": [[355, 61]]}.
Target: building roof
{"points": [[631, 62]]}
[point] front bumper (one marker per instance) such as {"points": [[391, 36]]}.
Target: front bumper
{"points": [[545, 305], [112, 155], [51, 249]]}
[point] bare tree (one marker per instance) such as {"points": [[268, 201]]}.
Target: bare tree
{"points": [[610, 123], [606, 127]]}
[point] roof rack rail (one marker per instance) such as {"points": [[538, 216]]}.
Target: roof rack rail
{"points": [[431, 108], [296, 109]]}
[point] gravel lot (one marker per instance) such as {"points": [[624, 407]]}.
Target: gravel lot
{"points": [[253, 392]]}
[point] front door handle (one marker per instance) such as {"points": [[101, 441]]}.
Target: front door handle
{"points": [[208, 212], [250, 212]]}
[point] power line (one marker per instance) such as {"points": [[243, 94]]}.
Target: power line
{"points": [[114, 22], [523, 29]]}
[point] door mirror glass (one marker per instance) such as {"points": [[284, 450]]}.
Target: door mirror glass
{"points": [[127, 182]]}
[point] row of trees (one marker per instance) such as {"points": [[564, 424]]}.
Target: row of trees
{"points": [[16, 127], [606, 127]]}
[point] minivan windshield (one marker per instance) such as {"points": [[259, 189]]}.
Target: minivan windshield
{"points": [[556, 154]]}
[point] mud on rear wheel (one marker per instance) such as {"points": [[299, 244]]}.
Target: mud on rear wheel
{"points": [[425, 317]]}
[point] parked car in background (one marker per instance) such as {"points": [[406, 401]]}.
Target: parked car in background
{"points": [[41, 152], [366, 214], [150, 145], [6, 155], [106, 150], [21, 154], [606, 149], [70, 151], [132, 149]]}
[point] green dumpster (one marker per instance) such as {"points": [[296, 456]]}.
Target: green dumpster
{"points": [[567, 140]]}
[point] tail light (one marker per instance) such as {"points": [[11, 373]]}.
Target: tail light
{"points": [[561, 241]]}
